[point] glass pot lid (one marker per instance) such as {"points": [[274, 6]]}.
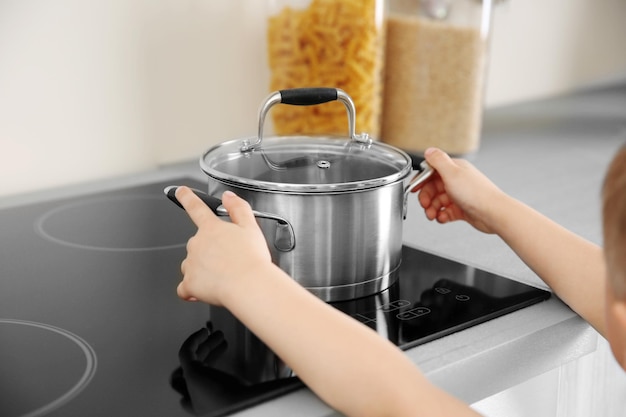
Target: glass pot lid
{"points": [[307, 163]]}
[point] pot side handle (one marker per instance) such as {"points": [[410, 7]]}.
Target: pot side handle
{"points": [[425, 172], [285, 239], [215, 204]]}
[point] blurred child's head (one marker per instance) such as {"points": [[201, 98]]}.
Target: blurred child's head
{"points": [[614, 227]]}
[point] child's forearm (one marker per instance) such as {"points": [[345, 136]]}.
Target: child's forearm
{"points": [[573, 267], [346, 363]]}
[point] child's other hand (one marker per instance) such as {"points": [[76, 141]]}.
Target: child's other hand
{"points": [[458, 191], [221, 255]]}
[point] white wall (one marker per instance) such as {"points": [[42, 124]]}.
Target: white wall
{"points": [[70, 93], [545, 47], [98, 88]]}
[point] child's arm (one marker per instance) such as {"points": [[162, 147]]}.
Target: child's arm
{"points": [[573, 267], [347, 364]]}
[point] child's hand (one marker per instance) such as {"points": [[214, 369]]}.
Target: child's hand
{"points": [[458, 191], [221, 255]]}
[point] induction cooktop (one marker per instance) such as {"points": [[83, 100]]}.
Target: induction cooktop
{"points": [[90, 323]]}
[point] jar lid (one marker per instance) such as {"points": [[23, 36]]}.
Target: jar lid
{"points": [[306, 164]]}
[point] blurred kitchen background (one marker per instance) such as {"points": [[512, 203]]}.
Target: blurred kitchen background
{"points": [[92, 89]]}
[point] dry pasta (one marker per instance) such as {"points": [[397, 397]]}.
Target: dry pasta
{"points": [[332, 43]]}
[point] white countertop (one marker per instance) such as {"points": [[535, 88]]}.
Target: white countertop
{"points": [[551, 154]]}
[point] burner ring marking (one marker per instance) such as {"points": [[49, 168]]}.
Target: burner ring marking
{"points": [[88, 374]]}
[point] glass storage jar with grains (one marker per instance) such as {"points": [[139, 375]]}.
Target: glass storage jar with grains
{"points": [[327, 43], [435, 68]]}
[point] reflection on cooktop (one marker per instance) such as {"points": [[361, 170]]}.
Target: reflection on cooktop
{"points": [[206, 388]]}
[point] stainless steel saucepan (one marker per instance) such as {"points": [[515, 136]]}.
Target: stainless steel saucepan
{"points": [[331, 208]]}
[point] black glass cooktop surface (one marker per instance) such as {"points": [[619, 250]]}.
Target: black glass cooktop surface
{"points": [[90, 323]]}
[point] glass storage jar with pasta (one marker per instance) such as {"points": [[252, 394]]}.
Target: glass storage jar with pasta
{"points": [[435, 67], [327, 43]]}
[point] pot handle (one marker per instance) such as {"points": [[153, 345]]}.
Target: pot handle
{"points": [[307, 97], [285, 239], [425, 172]]}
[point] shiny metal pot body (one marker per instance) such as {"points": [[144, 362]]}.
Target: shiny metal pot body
{"points": [[347, 244], [330, 208]]}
